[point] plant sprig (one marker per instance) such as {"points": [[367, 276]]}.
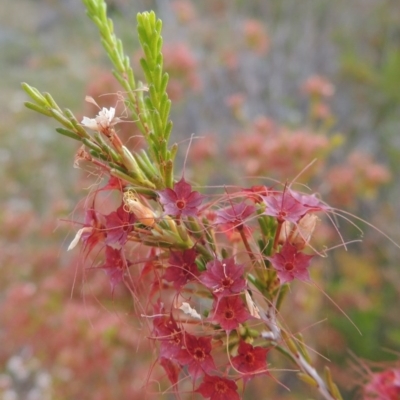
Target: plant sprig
{"points": [[153, 167], [150, 113]]}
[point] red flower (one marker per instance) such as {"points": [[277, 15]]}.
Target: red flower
{"points": [[256, 192], [284, 207], [224, 277], [171, 368], [234, 215], [310, 201], [119, 224], [182, 267], [115, 265], [384, 385], [181, 200], [94, 229], [250, 360], [197, 355], [229, 312], [217, 388], [290, 263], [167, 331]]}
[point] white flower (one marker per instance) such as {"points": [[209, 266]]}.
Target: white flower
{"points": [[104, 120], [185, 307]]}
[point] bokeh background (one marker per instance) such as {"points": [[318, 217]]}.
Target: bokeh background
{"points": [[266, 87]]}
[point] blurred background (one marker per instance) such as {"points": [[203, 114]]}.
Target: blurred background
{"points": [[266, 87]]}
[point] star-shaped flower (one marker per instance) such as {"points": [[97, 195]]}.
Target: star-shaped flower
{"points": [[119, 224], [197, 355], [167, 331], [284, 207], [115, 265], [235, 215], [182, 267], [289, 264], [229, 312], [224, 277], [250, 360], [180, 201], [218, 388]]}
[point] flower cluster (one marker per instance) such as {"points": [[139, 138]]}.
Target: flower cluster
{"points": [[213, 272], [207, 272]]}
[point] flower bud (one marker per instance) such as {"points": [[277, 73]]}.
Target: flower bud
{"points": [[301, 234], [143, 214]]}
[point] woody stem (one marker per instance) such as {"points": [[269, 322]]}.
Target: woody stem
{"points": [[246, 244], [277, 234]]}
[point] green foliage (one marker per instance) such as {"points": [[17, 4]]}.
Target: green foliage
{"points": [[148, 103]]}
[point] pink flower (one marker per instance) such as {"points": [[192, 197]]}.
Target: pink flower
{"points": [[119, 224], [309, 201], [171, 368], [182, 268], [289, 263], [318, 86], [256, 36], [250, 360], [167, 331], [217, 388], [256, 192], [224, 277], [197, 355], [384, 385], [284, 207], [234, 215], [181, 200], [229, 312], [94, 229], [232, 220], [115, 265]]}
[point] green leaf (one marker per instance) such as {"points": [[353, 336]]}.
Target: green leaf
{"points": [[68, 133], [33, 93], [37, 108]]}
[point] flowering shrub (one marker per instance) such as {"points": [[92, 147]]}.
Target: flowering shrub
{"points": [[207, 273]]}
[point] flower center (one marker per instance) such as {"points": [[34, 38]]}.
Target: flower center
{"points": [[289, 266], [249, 358], [220, 387], [181, 204], [175, 337], [226, 282], [229, 314], [199, 354]]}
